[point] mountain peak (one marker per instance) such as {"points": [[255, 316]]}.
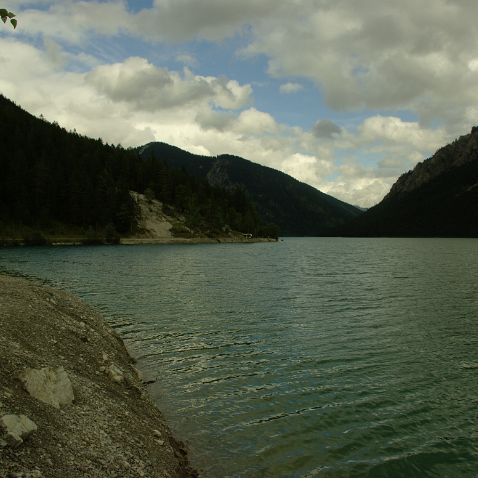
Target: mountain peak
{"points": [[297, 208], [459, 152], [439, 197]]}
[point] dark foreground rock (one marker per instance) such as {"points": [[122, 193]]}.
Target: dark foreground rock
{"points": [[71, 402]]}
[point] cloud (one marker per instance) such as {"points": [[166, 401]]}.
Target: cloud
{"points": [[150, 88], [73, 21], [186, 59], [354, 190], [212, 119], [418, 58], [307, 168], [129, 103], [392, 130], [182, 20], [252, 121], [326, 129], [405, 55], [289, 88]]}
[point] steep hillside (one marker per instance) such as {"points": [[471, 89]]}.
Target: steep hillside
{"points": [[59, 183], [439, 197], [158, 223], [297, 208]]}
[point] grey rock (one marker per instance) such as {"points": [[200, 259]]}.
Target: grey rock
{"points": [[48, 385], [115, 373], [456, 154], [16, 429]]}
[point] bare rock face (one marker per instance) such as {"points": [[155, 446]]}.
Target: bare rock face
{"points": [[48, 385], [461, 151], [16, 428], [218, 177]]}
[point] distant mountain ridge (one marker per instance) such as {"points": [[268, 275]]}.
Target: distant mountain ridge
{"points": [[439, 197], [297, 208]]}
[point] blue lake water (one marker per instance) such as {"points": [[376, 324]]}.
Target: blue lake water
{"points": [[308, 357]]}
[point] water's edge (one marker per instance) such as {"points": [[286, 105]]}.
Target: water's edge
{"points": [[44, 326]]}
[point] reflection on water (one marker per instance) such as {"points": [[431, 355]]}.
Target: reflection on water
{"points": [[309, 357]]}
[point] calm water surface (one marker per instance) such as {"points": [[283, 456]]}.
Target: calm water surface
{"points": [[309, 357]]}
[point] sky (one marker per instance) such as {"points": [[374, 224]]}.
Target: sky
{"points": [[344, 95]]}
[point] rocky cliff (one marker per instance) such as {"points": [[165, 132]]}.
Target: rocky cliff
{"points": [[438, 198], [461, 151]]}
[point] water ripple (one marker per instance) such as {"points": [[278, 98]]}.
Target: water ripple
{"points": [[310, 357]]}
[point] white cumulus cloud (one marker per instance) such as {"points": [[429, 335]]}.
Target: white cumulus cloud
{"points": [[148, 87]]}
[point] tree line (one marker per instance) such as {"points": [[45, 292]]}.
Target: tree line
{"points": [[49, 176]]}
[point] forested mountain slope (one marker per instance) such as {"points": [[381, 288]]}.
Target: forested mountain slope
{"points": [[55, 180], [297, 208]]}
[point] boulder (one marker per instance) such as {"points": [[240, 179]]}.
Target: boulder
{"points": [[115, 373], [16, 428], [48, 385]]}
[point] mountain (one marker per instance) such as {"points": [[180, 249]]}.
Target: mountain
{"points": [[439, 197], [297, 208], [59, 183]]}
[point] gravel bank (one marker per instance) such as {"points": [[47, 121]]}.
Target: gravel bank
{"points": [[64, 370]]}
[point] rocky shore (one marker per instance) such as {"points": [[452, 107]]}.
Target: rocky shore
{"points": [[72, 403], [195, 240]]}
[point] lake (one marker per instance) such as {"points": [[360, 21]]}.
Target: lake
{"points": [[328, 357]]}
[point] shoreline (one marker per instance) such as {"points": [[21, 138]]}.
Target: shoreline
{"points": [[194, 240], [130, 241], [107, 426]]}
